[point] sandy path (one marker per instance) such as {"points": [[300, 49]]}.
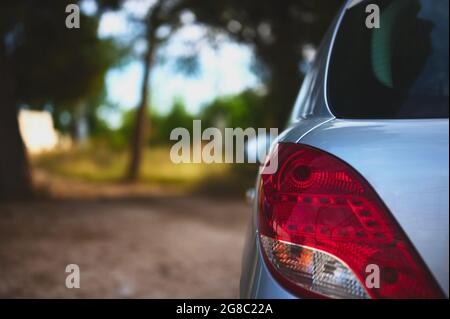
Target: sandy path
{"points": [[160, 247]]}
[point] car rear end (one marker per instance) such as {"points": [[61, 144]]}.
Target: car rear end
{"points": [[359, 204]]}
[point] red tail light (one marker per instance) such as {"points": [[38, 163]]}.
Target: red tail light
{"points": [[323, 229]]}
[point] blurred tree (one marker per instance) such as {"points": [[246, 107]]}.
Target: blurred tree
{"points": [[278, 32], [44, 63], [162, 14]]}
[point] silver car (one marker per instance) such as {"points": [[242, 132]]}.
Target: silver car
{"points": [[359, 204]]}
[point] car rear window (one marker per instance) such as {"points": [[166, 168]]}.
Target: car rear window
{"points": [[399, 70]]}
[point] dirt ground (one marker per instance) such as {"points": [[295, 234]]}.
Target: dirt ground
{"points": [[146, 246]]}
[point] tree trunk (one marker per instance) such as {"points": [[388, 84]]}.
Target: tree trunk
{"points": [[15, 178], [141, 121]]}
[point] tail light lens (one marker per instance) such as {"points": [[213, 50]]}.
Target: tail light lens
{"points": [[323, 228]]}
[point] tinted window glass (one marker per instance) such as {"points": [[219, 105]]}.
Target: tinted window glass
{"points": [[399, 70]]}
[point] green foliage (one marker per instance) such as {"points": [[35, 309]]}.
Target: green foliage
{"points": [[118, 139], [242, 110], [162, 126]]}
